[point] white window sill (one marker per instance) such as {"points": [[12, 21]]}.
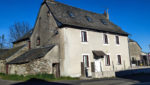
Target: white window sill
{"points": [[84, 42], [106, 44], [117, 44], [107, 65]]}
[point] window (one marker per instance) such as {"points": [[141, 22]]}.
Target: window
{"points": [[86, 60], [38, 41], [29, 44], [71, 14], [107, 60], [117, 40], [105, 39], [119, 59], [84, 36], [88, 18], [104, 21]]}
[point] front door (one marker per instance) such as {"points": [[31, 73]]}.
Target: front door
{"points": [[98, 65], [86, 64]]}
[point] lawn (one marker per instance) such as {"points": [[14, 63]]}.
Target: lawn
{"points": [[47, 77]]}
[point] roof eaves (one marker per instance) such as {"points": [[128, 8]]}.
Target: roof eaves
{"points": [[77, 27]]}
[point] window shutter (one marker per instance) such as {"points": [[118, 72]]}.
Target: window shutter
{"points": [[85, 36], [92, 66], [82, 38], [108, 60], [82, 68], [87, 61]]}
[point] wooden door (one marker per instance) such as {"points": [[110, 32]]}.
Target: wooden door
{"points": [[56, 70], [7, 66]]}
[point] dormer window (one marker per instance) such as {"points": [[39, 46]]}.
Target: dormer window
{"points": [[88, 18], [104, 21], [38, 41], [71, 14]]}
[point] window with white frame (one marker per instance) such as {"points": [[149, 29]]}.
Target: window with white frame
{"points": [[84, 36], [105, 39], [119, 59], [107, 60], [86, 60], [117, 40]]}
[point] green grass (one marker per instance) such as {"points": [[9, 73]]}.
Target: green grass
{"points": [[47, 77]]}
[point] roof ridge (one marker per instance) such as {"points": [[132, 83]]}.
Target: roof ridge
{"points": [[56, 2]]}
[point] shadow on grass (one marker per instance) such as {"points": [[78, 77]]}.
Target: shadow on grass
{"points": [[35, 81]]}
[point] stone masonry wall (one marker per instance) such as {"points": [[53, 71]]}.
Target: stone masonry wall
{"points": [[42, 65]]}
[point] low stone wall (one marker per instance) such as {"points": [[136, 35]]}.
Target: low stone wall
{"points": [[133, 71], [103, 74]]}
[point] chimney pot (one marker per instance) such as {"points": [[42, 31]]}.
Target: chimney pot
{"points": [[106, 14]]}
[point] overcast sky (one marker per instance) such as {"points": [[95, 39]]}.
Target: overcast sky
{"points": [[133, 16]]}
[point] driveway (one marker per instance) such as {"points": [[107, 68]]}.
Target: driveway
{"points": [[127, 80]]}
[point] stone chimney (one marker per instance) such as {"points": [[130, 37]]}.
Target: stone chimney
{"points": [[106, 14]]}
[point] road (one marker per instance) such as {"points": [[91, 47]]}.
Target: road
{"points": [[128, 80]]}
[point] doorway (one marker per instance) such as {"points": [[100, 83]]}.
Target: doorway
{"points": [[56, 69], [86, 64], [98, 67]]}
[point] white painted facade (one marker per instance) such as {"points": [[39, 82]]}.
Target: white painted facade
{"points": [[75, 49]]}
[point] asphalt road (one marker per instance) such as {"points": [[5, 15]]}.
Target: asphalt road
{"points": [[127, 80]]}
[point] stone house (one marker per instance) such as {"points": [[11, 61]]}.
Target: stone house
{"points": [[135, 52], [68, 41], [4, 54], [145, 59]]}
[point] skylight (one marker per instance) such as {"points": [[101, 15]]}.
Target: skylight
{"points": [[71, 14], [104, 21], [88, 18]]}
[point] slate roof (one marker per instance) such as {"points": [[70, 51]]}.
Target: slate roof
{"points": [[25, 37], [2, 51], [4, 54], [31, 55], [61, 14], [131, 40]]}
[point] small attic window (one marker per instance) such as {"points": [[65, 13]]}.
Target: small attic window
{"points": [[88, 18], [71, 14], [104, 21], [38, 41]]}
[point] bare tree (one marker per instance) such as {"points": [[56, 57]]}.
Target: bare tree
{"points": [[17, 30], [2, 41]]}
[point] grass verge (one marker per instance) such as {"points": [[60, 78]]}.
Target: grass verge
{"points": [[47, 77]]}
